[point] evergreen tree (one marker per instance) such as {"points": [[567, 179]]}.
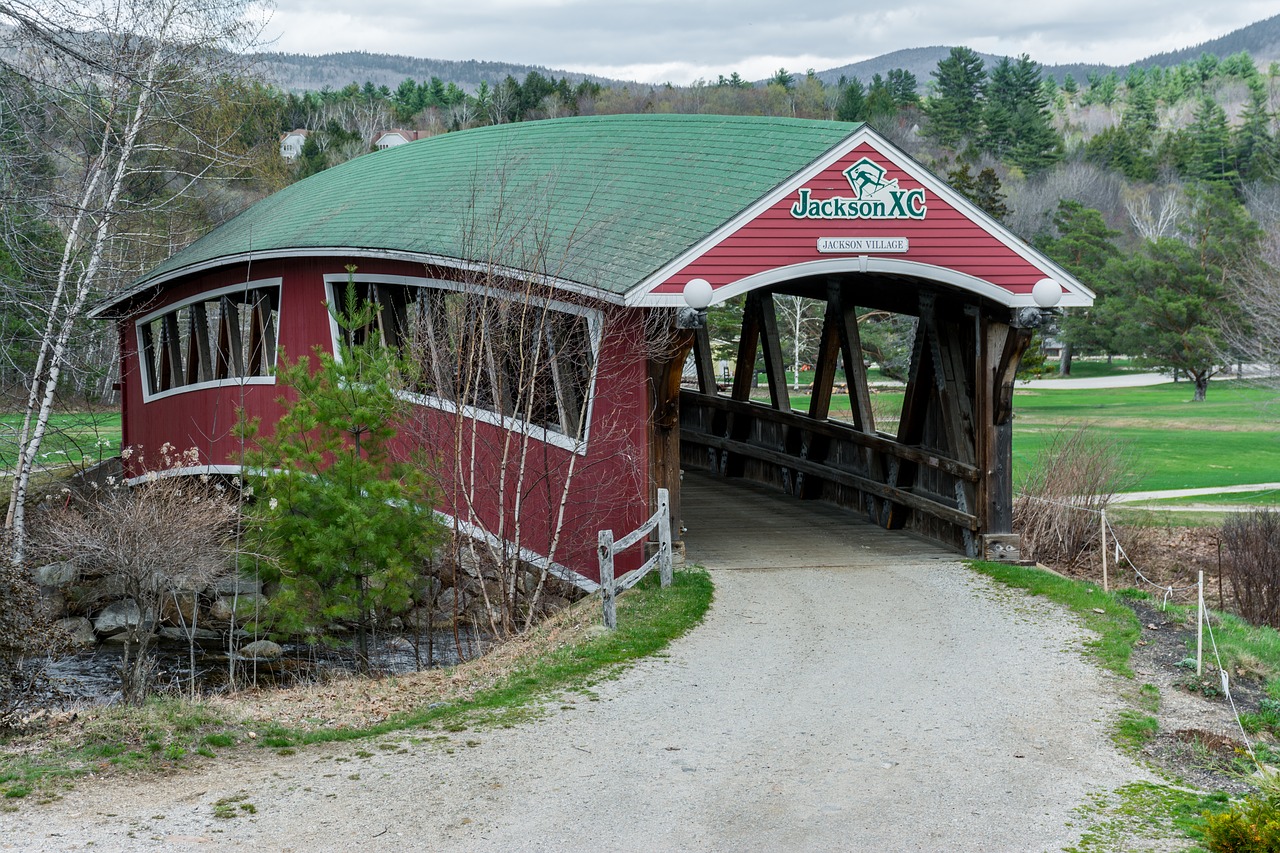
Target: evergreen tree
{"points": [[1211, 155], [1255, 146], [954, 112], [1083, 244], [343, 526], [902, 87], [852, 105], [880, 105], [984, 189]]}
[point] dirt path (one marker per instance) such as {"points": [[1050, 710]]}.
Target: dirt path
{"points": [[899, 706]]}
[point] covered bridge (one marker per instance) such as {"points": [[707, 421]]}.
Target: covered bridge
{"points": [[535, 273]]}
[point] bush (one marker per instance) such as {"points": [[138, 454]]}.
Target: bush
{"points": [[1252, 541], [1253, 826], [1076, 475]]}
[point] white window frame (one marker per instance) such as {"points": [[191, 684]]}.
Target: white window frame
{"points": [[594, 318], [144, 368]]}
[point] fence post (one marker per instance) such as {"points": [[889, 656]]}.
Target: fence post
{"points": [[606, 580], [1200, 614], [664, 537], [1106, 587]]}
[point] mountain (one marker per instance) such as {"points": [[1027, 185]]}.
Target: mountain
{"points": [[299, 72], [920, 61], [296, 72], [1261, 40]]}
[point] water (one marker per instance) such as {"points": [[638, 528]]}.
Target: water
{"points": [[92, 676]]}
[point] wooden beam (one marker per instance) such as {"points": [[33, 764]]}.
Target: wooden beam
{"points": [[846, 478], [824, 370], [773, 366], [839, 432], [855, 370], [200, 336], [704, 361], [744, 372]]}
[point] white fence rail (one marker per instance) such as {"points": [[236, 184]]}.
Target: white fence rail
{"points": [[608, 549]]}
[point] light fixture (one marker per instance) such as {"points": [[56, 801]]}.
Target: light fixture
{"points": [[697, 296], [1047, 293]]}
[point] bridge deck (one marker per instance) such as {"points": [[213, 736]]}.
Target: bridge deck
{"points": [[736, 524]]}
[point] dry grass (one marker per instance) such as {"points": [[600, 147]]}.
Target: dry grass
{"points": [[356, 702]]}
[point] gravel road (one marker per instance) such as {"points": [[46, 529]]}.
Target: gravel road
{"points": [[839, 700]]}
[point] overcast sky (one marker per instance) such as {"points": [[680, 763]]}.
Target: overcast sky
{"points": [[682, 40]]}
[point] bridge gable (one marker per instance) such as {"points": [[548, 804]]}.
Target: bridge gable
{"points": [[865, 206]]}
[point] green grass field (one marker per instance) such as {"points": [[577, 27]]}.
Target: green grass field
{"points": [[1233, 438], [77, 438]]}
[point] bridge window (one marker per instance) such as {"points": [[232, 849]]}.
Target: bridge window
{"points": [[226, 336], [525, 363]]}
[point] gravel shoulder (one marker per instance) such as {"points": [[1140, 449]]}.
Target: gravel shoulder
{"points": [[876, 705]]}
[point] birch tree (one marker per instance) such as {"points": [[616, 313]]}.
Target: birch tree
{"points": [[116, 143]]}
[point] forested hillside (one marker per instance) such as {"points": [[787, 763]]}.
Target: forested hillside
{"points": [[1145, 163]]}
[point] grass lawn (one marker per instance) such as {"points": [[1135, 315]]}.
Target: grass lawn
{"points": [[1233, 438], [75, 437]]}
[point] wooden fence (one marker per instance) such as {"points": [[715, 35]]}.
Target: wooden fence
{"points": [[608, 549]]}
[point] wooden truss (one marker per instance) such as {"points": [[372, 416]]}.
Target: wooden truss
{"points": [[945, 473]]}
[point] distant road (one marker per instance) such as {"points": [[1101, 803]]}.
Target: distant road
{"points": [[1129, 380]]}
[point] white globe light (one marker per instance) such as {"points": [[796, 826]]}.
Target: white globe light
{"points": [[1047, 293], [697, 294]]}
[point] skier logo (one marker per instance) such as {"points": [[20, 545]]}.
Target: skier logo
{"points": [[875, 196], [866, 177]]}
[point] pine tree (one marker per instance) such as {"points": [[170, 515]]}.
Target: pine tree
{"points": [[1083, 244], [1255, 148], [853, 102], [955, 111], [343, 526], [1211, 155]]}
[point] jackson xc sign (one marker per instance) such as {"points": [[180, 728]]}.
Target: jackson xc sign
{"points": [[873, 198]]}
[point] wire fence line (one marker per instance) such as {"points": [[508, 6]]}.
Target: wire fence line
{"points": [[1203, 620]]}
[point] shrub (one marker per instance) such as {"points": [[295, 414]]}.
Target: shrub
{"points": [[1076, 474], [1252, 541], [1252, 826]]}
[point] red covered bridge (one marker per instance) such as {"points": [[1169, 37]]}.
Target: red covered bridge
{"points": [[534, 271]]}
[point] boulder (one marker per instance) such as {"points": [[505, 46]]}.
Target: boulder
{"points": [[117, 617], [57, 574], [228, 587], [242, 608], [261, 650], [179, 607], [202, 636], [79, 629]]}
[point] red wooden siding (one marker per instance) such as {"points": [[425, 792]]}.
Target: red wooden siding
{"points": [[774, 238], [610, 481]]}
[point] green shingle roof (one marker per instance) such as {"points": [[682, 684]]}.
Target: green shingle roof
{"points": [[601, 201]]}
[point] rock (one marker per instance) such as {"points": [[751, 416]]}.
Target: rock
{"points": [[228, 587], [261, 650], [117, 617], [245, 607], [57, 574], [199, 635], [449, 601], [418, 619], [53, 602], [395, 623], [179, 607], [79, 629]]}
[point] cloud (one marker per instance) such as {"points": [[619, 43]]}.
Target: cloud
{"points": [[679, 41]]}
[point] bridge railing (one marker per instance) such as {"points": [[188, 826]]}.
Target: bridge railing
{"points": [[608, 549]]}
